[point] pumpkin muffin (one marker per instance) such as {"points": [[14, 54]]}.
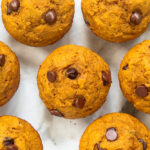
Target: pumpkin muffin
{"points": [[17, 134], [116, 131], [9, 73], [73, 82], [117, 20], [134, 76], [37, 22]]}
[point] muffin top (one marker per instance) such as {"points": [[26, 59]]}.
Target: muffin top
{"points": [[73, 81], [116, 131], [36, 22], [17, 134], [117, 20]]}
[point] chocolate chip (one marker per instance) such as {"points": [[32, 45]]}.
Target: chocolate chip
{"points": [[2, 60], [106, 77], [12, 147], [97, 147], [51, 17], [87, 22], [8, 141], [125, 67], [13, 6], [79, 102], [111, 134], [136, 17], [144, 144], [51, 76], [57, 113], [72, 73], [142, 91]]}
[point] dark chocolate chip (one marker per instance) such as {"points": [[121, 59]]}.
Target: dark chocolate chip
{"points": [[136, 17], [97, 147], [57, 113], [72, 73], [51, 17], [143, 143], [12, 147], [13, 6], [2, 60], [142, 91], [111, 134], [51, 76], [79, 102], [87, 22], [8, 141], [106, 77], [125, 67]]}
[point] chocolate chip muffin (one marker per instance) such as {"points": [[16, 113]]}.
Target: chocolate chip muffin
{"points": [[37, 22], [134, 76], [73, 82], [9, 73], [17, 134], [117, 20], [116, 131]]}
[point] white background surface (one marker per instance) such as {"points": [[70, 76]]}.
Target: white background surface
{"points": [[58, 133]]}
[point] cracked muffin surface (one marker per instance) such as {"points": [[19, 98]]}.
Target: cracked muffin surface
{"points": [[9, 73], [134, 76], [73, 81], [117, 20], [116, 131], [17, 134], [37, 22]]}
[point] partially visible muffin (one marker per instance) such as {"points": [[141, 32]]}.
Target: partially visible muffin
{"points": [[117, 20], [9, 73], [17, 134], [134, 76], [116, 131], [73, 82], [37, 22]]}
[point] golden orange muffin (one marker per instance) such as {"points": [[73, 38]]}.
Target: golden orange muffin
{"points": [[117, 20], [37, 22], [9, 73], [73, 82], [116, 131], [17, 134], [134, 76]]}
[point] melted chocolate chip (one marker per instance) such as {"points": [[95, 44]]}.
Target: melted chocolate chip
{"points": [[142, 91], [125, 67], [12, 147], [51, 76], [51, 17], [136, 17], [13, 6], [2, 60], [143, 143], [106, 77], [111, 134], [72, 73], [79, 102], [57, 113], [8, 141]]}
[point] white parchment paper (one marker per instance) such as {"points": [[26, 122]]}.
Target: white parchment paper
{"points": [[58, 133]]}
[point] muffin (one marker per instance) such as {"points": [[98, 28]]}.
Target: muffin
{"points": [[37, 22], [134, 76], [17, 134], [73, 82], [116, 131], [117, 20], [9, 73]]}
